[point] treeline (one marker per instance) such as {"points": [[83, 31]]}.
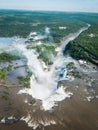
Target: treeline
{"points": [[4, 57], [85, 46], [21, 23]]}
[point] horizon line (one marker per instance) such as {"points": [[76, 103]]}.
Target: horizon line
{"points": [[63, 11]]}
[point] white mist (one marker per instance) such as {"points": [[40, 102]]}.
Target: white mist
{"points": [[44, 82]]}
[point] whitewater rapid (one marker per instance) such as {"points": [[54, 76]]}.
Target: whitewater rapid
{"points": [[44, 82]]}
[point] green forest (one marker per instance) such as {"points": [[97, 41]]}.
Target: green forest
{"points": [[21, 23], [85, 46]]}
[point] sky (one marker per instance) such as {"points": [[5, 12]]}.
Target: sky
{"points": [[52, 5]]}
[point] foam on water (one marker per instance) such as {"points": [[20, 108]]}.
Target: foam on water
{"points": [[35, 124], [43, 82], [59, 95]]}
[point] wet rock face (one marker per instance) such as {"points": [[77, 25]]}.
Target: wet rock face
{"points": [[9, 120]]}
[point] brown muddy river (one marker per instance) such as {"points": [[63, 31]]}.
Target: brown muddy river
{"points": [[75, 113]]}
